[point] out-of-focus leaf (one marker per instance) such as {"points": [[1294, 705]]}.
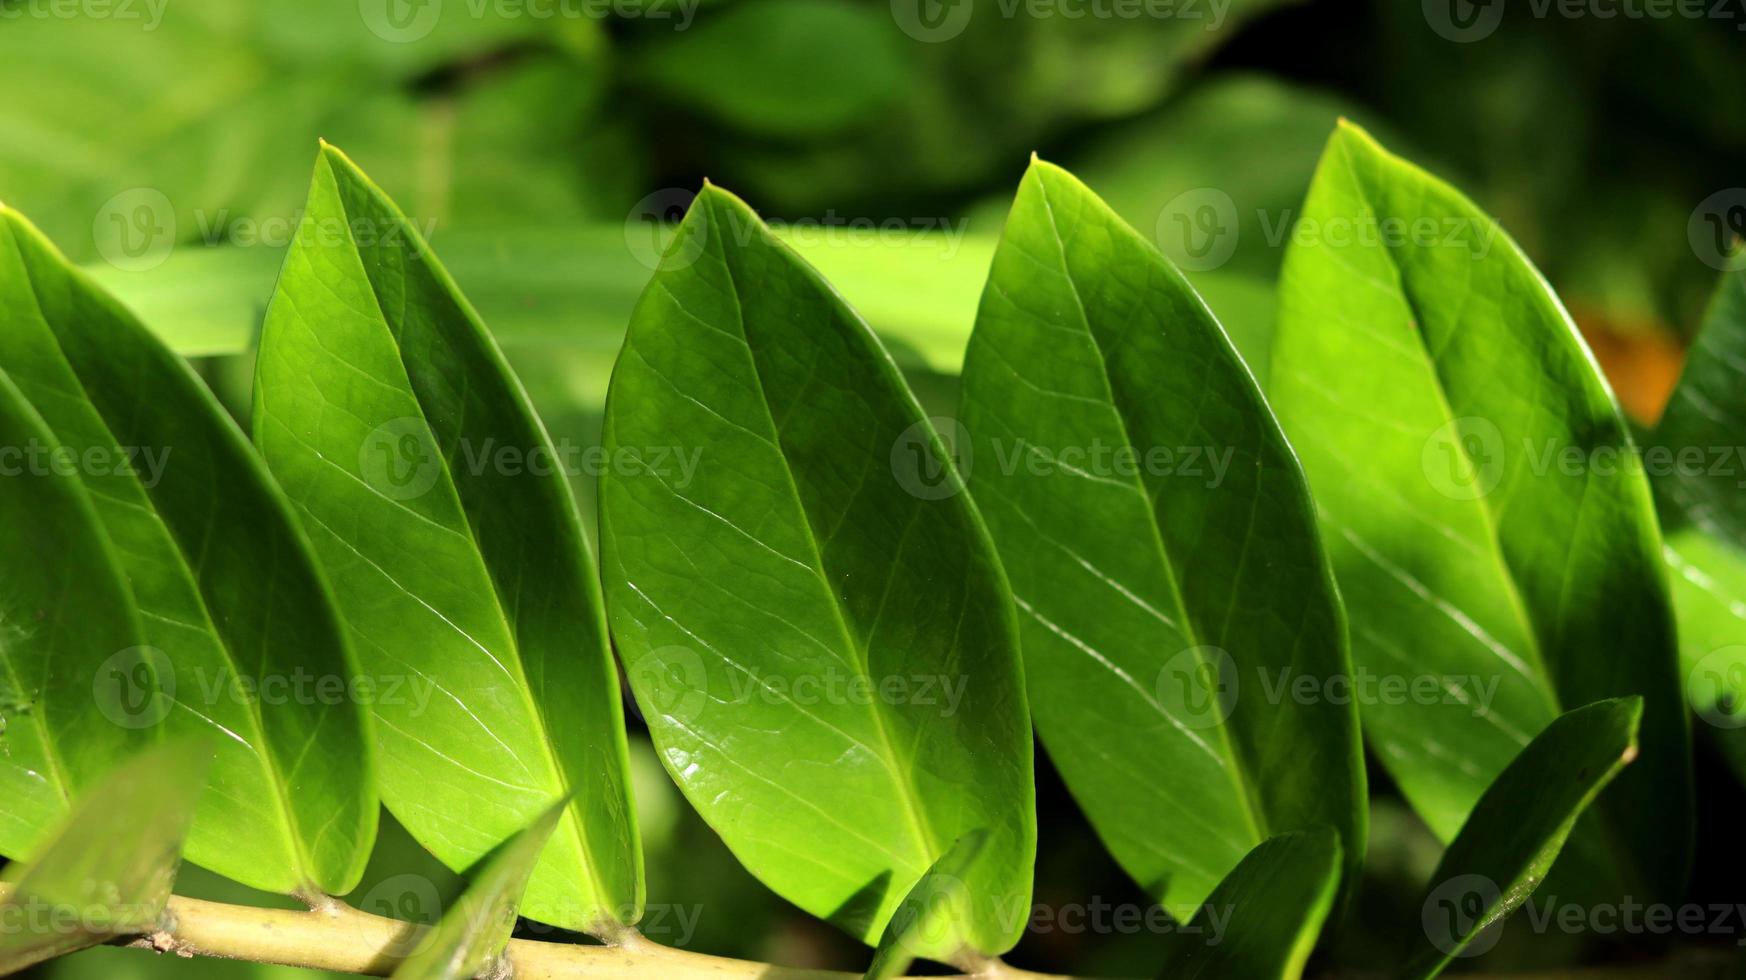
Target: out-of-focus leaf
{"points": [[1494, 545], [816, 641], [1518, 827], [65, 615], [107, 870], [1708, 579], [174, 122], [986, 83], [820, 65], [1132, 477], [1262, 920], [237, 625], [1697, 459], [473, 933], [439, 507], [1699, 463], [931, 910]]}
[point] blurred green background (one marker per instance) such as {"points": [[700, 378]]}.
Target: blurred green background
{"points": [[167, 144]]}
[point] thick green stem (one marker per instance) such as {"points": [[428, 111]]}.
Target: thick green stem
{"points": [[337, 937]]}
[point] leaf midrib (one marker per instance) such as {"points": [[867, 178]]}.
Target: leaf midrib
{"points": [[262, 752], [911, 795], [1247, 794], [547, 751]]}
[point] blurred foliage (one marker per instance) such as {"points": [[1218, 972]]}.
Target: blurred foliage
{"points": [[524, 133]]}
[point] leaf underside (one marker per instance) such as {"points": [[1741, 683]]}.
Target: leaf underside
{"points": [[1437, 393], [436, 503], [792, 563], [229, 597], [1162, 592]]}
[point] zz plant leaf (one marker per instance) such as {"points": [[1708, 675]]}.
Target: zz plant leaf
{"points": [[232, 607], [1163, 551], [1474, 480], [106, 869], [473, 934], [820, 642], [1698, 465], [932, 910], [1263, 919], [441, 511], [62, 622], [1519, 826]]}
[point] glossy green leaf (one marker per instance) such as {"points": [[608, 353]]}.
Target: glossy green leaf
{"points": [[237, 624], [1172, 589], [440, 509], [932, 910], [473, 933], [1519, 826], [1696, 454], [1262, 921], [107, 868], [819, 642], [65, 615], [1697, 460], [1494, 542]]}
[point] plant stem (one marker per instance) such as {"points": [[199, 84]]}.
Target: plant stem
{"points": [[342, 939]]}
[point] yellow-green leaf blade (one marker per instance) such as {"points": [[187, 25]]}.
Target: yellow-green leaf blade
{"points": [[473, 933], [1263, 919], [65, 617], [441, 511], [107, 870], [1493, 542], [791, 562], [237, 623], [1519, 826], [1163, 551]]}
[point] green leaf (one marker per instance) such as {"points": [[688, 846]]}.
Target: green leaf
{"points": [[1163, 552], [1518, 827], [818, 642], [823, 65], [1709, 596], [65, 616], [1696, 445], [930, 912], [1262, 920], [1494, 543], [474, 932], [236, 621], [1697, 461], [440, 509], [106, 871]]}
